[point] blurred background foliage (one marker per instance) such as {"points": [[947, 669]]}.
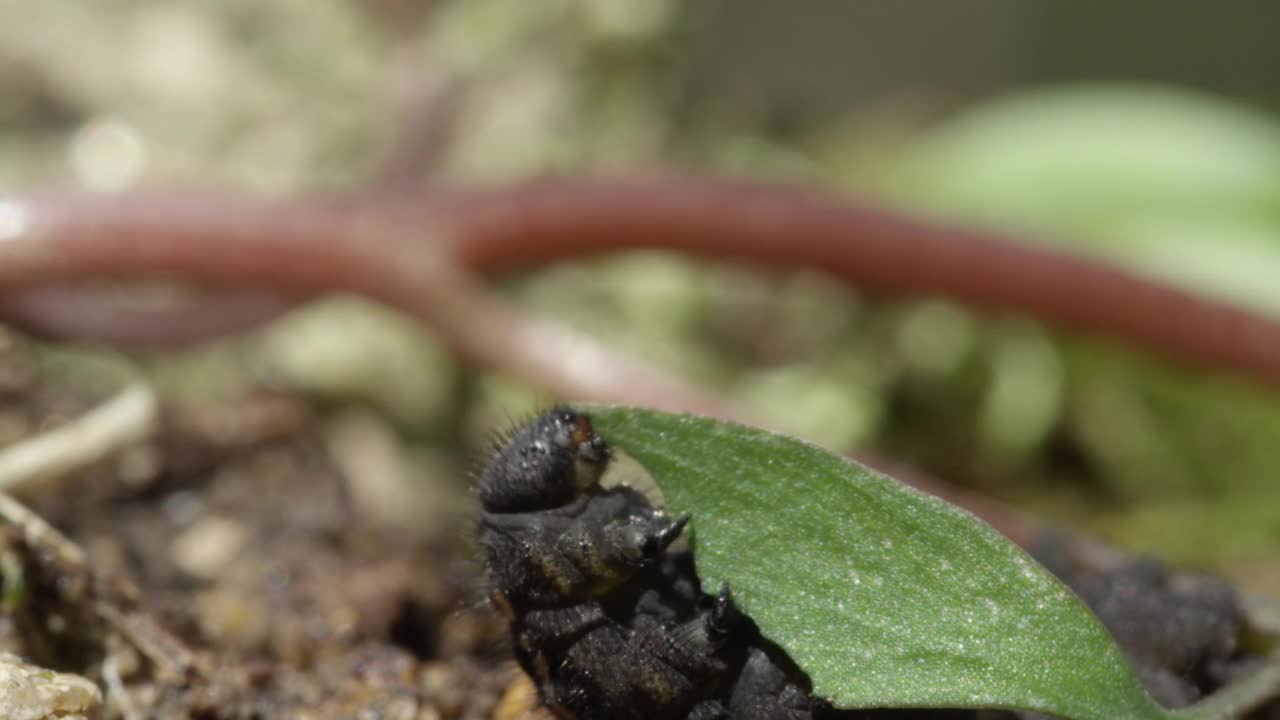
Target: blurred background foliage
{"points": [[1141, 133]]}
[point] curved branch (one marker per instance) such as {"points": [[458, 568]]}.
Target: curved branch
{"points": [[783, 227], [310, 248], [304, 249]]}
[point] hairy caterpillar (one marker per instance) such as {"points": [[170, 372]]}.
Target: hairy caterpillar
{"points": [[607, 620]]}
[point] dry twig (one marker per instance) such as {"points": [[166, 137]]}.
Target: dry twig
{"points": [[125, 418]]}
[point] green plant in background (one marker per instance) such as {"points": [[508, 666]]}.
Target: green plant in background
{"points": [[1180, 186], [885, 596]]}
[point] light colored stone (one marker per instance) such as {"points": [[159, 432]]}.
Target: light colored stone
{"points": [[28, 692], [205, 549]]}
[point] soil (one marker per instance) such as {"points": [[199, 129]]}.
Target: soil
{"points": [[233, 540], [233, 572]]}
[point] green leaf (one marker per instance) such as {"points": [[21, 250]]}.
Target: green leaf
{"points": [[1175, 185], [885, 596], [1072, 160]]}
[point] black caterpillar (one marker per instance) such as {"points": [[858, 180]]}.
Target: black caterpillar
{"points": [[605, 619]]}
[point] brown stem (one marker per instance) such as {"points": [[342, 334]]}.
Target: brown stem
{"points": [[309, 248], [304, 249], [788, 228]]}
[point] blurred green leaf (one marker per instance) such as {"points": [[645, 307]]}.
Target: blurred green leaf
{"points": [[1075, 160], [885, 596], [1168, 183]]}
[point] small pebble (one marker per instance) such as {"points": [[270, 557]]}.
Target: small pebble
{"points": [[28, 692], [209, 546]]}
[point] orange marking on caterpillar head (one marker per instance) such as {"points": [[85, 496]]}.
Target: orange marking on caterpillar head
{"points": [[582, 430]]}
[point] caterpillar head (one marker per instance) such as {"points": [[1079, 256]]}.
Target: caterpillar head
{"points": [[544, 463]]}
